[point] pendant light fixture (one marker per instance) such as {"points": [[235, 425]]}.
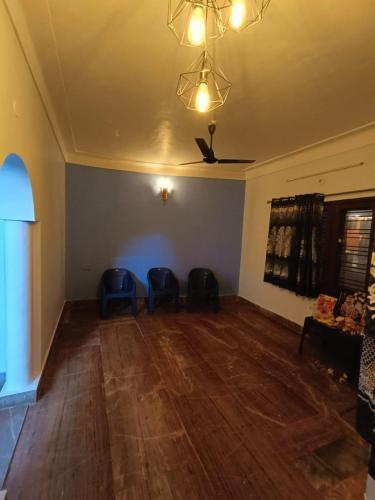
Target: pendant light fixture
{"points": [[203, 87], [243, 13], [195, 21]]}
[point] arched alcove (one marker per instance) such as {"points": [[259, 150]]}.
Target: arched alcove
{"points": [[16, 194], [17, 275]]}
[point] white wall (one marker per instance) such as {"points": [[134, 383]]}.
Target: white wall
{"points": [[370, 490], [270, 181], [26, 131], [2, 301]]}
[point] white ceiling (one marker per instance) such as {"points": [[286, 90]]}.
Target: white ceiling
{"points": [[306, 73]]}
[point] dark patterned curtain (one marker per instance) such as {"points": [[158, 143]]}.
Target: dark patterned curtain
{"points": [[292, 260], [366, 390]]}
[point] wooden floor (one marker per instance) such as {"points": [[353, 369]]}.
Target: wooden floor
{"points": [[187, 406]]}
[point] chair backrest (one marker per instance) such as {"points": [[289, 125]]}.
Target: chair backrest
{"points": [[161, 278], [117, 280], [201, 278]]}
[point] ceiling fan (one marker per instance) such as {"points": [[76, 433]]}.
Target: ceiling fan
{"points": [[208, 152]]}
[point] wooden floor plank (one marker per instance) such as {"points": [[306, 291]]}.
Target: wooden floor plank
{"points": [[189, 407], [64, 450]]}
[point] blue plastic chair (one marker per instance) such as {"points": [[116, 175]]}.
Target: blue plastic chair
{"points": [[117, 284], [202, 287], [162, 283]]}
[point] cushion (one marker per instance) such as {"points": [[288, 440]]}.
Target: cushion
{"points": [[350, 312], [324, 309]]}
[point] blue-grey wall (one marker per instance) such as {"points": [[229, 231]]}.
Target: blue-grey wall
{"points": [[116, 219]]}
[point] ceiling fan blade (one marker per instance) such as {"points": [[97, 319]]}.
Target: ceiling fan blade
{"points": [[192, 162], [204, 147], [227, 160]]}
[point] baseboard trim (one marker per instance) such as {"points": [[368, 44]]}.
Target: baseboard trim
{"points": [[52, 341], [93, 300], [291, 325], [9, 400], [224, 299]]}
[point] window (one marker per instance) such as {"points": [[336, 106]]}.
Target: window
{"points": [[347, 239], [355, 249]]}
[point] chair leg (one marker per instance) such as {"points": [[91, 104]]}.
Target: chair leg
{"points": [[150, 304], [134, 306], [189, 304], [216, 304], [300, 350], [103, 309]]}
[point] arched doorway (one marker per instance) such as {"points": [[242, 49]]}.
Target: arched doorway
{"points": [[18, 276]]}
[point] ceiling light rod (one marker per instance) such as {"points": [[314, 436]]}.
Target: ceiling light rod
{"points": [[337, 169], [342, 193]]}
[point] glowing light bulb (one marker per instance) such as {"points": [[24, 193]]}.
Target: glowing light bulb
{"points": [[238, 14], [202, 99], [197, 26]]}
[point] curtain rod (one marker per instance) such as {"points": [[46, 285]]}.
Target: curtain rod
{"points": [[338, 169], [339, 194]]}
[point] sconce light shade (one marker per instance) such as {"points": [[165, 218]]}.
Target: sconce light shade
{"points": [[203, 87], [164, 194]]}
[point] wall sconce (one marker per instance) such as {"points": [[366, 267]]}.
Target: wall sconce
{"points": [[164, 194], [165, 189]]}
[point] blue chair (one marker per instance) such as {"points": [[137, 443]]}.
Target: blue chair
{"points": [[202, 287], [162, 283], [117, 284]]}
